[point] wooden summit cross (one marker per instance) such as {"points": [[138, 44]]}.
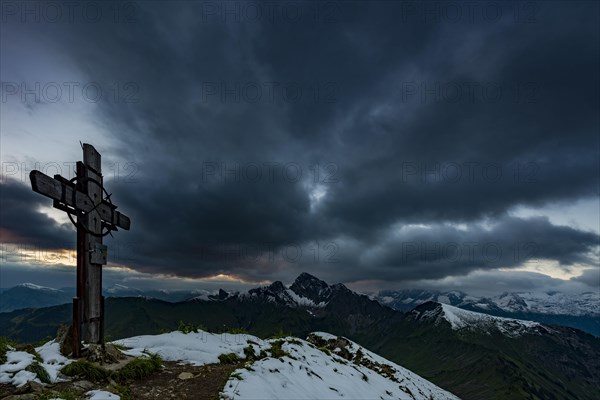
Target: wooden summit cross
{"points": [[85, 197]]}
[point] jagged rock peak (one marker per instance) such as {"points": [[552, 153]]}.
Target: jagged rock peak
{"points": [[311, 287], [306, 279], [277, 286], [340, 287], [428, 309]]}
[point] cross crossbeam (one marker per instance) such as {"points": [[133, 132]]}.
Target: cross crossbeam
{"points": [[67, 194]]}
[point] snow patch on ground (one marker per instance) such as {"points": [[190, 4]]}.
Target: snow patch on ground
{"points": [[13, 370], [194, 348], [52, 360], [101, 395]]}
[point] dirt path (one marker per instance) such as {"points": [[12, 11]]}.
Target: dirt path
{"points": [[207, 382]]}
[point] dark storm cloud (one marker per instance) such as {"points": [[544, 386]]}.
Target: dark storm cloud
{"points": [[377, 120], [488, 283], [590, 277], [22, 223], [430, 252]]}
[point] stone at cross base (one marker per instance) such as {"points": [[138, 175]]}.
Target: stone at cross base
{"points": [[102, 354]]}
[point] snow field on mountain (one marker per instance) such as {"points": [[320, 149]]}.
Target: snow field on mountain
{"points": [[302, 372], [459, 319], [311, 373]]}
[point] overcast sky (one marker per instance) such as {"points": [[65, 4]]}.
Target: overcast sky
{"points": [[404, 144]]}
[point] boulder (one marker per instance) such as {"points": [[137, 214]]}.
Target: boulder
{"points": [[64, 337], [185, 375]]}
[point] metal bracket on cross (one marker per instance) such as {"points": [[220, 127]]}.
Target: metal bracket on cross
{"points": [[67, 198]]}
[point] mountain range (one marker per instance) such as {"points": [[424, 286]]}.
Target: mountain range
{"points": [[557, 303], [581, 311], [29, 295], [471, 354]]}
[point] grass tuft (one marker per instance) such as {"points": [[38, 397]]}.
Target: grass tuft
{"points": [[325, 350], [40, 371], [276, 350], [31, 350], [86, 370], [139, 368], [5, 346], [237, 331], [188, 328], [249, 353], [230, 358], [136, 369], [236, 375], [66, 395], [280, 334], [120, 346]]}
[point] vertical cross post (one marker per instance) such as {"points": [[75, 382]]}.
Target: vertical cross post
{"points": [[90, 177]]}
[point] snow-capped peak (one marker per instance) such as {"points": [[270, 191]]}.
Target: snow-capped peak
{"points": [[311, 288], [120, 286], [122, 289], [552, 302], [306, 292], [33, 286], [460, 319]]}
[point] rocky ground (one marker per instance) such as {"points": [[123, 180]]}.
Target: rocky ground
{"points": [[177, 381], [173, 381]]}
